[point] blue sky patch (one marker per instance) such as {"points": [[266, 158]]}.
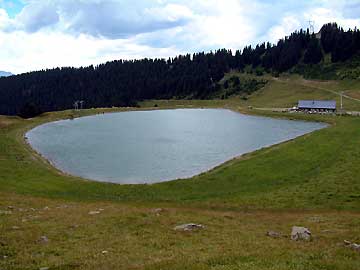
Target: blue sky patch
{"points": [[12, 7]]}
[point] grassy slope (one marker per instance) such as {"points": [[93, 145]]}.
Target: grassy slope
{"points": [[138, 238], [286, 91], [318, 172]]}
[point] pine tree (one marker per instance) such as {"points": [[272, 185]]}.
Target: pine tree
{"points": [[313, 54]]}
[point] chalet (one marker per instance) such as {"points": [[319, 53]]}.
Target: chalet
{"points": [[317, 105]]}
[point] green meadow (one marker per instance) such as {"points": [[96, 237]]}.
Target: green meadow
{"points": [[312, 181]]}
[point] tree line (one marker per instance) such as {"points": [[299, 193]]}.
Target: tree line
{"points": [[125, 82]]}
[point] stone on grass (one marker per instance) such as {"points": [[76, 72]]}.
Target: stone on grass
{"points": [[353, 246], [273, 234], [43, 239], [189, 227], [44, 268], [300, 233], [15, 228], [347, 243], [94, 213], [157, 210]]}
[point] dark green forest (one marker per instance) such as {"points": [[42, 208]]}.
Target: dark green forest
{"points": [[197, 76]]}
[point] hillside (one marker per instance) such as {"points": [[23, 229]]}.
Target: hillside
{"points": [[277, 92], [125, 83], [311, 181]]}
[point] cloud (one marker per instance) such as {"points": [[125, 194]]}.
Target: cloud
{"points": [[213, 25], [36, 16], [21, 51], [4, 19], [101, 18], [287, 25]]}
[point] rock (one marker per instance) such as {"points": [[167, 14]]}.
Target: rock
{"points": [[351, 245], [273, 234], [189, 227], [300, 233], [44, 268], [11, 207], [355, 246], [15, 228], [105, 252], [347, 243], [94, 213], [46, 208], [157, 210], [43, 239]]}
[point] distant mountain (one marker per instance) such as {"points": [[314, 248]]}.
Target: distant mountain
{"points": [[5, 74]]}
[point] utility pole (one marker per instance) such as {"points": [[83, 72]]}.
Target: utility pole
{"points": [[341, 98], [79, 105], [312, 26]]}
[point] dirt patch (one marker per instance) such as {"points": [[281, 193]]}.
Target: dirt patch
{"points": [[353, 94]]}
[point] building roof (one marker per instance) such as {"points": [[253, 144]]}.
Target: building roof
{"points": [[317, 104]]}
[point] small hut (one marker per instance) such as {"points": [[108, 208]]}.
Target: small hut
{"points": [[317, 105]]}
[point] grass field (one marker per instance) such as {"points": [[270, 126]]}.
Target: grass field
{"points": [[312, 181]]}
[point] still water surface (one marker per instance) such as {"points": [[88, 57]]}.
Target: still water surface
{"points": [[156, 146]]}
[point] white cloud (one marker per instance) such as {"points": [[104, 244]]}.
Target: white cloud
{"points": [[288, 25], [103, 18], [21, 51], [213, 25], [227, 26], [4, 19], [36, 16], [170, 12]]}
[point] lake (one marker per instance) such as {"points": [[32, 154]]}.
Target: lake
{"points": [[155, 146]]}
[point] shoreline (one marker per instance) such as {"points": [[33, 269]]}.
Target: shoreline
{"points": [[225, 163]]}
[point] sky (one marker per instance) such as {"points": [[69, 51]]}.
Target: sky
{"points": [[40, 34]]}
